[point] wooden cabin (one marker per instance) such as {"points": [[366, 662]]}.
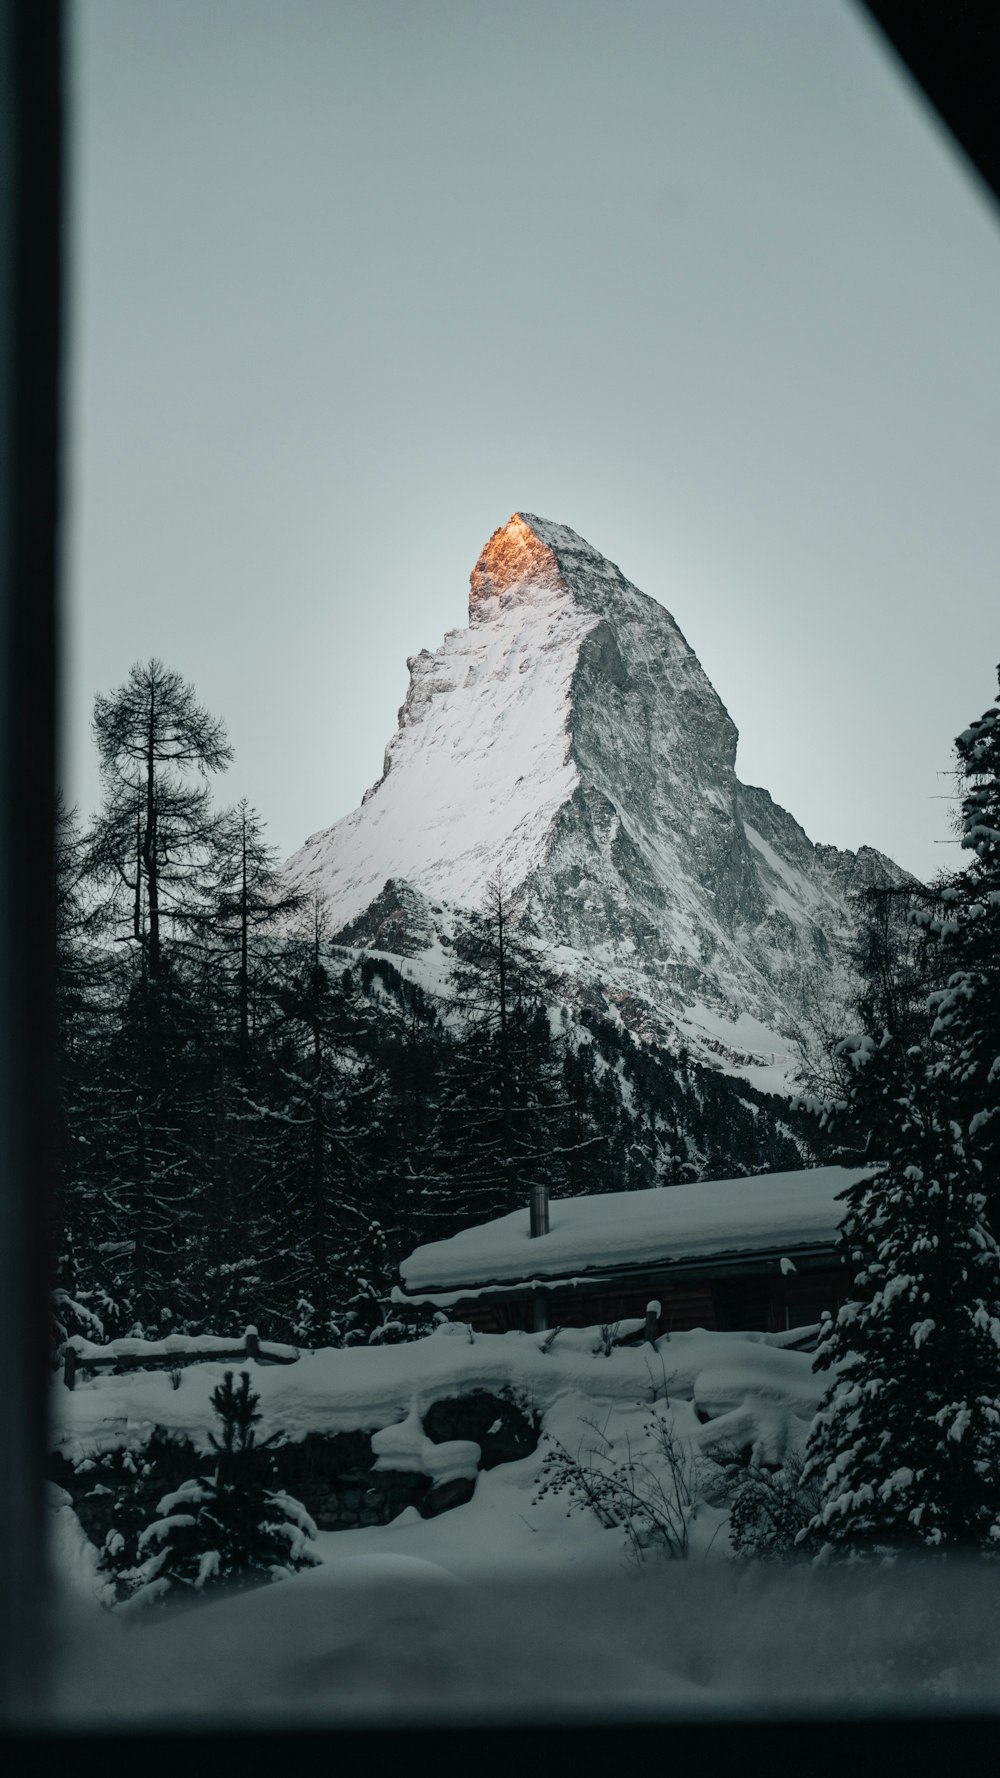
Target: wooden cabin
{"points": [[756, 1254]]}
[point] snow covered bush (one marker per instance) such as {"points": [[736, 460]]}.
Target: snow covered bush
{"points": [[114, 1493], [229, 1529], [92, 1314], [653, 1496]]}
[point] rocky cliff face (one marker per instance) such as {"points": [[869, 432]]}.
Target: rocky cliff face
{"points": [[570, 739]]}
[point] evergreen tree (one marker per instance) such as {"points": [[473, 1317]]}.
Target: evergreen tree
{"points": [[230, 1529], [968, 1006], [905, 1448]]}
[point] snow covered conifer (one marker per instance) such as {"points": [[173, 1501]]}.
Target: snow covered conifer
{"points": [[968, 1008], [905, 1447], [228, 1529]]}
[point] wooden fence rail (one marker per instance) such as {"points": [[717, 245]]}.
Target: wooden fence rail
{"points": [[80, 1355]]}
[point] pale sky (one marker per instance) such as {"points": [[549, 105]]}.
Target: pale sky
{"points": [[352, 280]]}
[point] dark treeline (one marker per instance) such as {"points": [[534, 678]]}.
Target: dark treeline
{"points": [[259, 1122]]}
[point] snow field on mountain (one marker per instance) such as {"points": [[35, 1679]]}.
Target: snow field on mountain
{"points": [[742, 1047], [477, 770]]}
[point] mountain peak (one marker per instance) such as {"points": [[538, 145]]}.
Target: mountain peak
{"points": [[570, 739], [531, 552], [516, 556]]}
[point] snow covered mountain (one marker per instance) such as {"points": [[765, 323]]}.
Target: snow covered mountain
{"points": [[570, 739]]}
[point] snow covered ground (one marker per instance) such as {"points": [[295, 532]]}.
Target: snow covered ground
{"points": [[564, 1376], [510, 1606], [715, 1391], [390, 1642]]}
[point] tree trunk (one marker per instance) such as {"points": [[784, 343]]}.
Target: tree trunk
{"points": [[320, 1282], [149, 844], [505, 1080], [244, 995]]}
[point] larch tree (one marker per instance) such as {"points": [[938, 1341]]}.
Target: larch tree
{"points": [[234, 946], [153, 838], [150, 855], [506, 1104], [330, 1092], [252, 902]]}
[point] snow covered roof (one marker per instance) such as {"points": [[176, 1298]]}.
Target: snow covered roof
{"points": [[771, 1212]]}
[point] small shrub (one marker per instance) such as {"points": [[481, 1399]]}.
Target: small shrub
{"points": [[770, 1513], [230, 1529], [653, 1499], [115, 1492]]}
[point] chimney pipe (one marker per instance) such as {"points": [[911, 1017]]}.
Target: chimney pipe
{"points": [[538, 1205]]}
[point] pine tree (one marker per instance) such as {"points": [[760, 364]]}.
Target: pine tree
{"points": [[968, 1007], [229, 1529], [905, 1447]]}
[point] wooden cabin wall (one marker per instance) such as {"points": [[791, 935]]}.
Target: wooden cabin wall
{"points": [[758, 1303], [682, 1307]]}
